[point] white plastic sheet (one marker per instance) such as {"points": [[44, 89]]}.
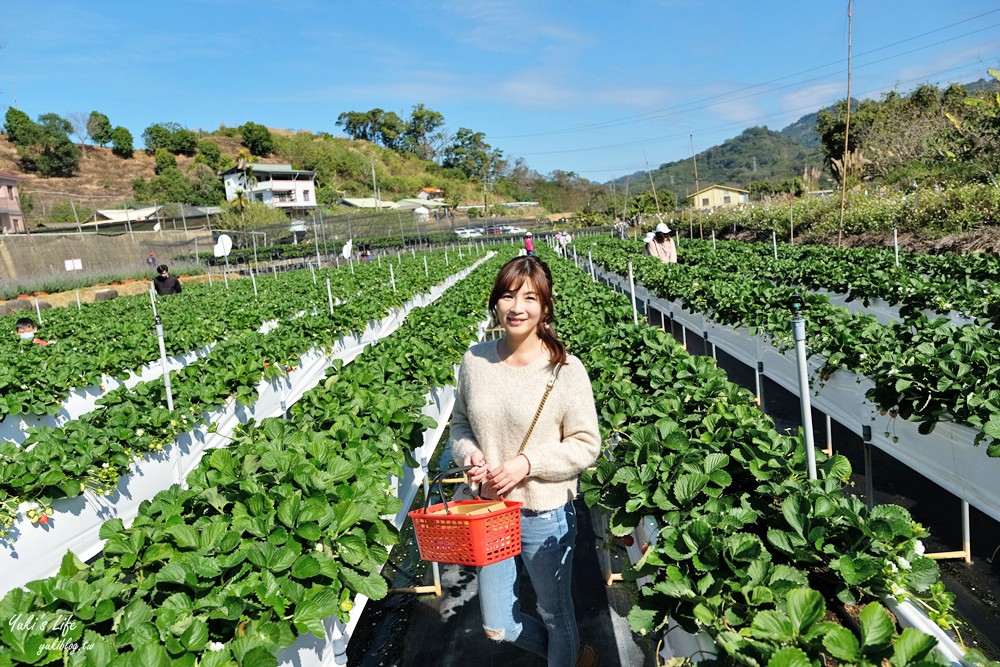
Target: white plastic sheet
{"points": [[84, 400]]}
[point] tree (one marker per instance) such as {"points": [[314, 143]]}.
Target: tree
{"points": [[19, 127], [78, 122], [99, 128], [156, 136], [977, 131], [45, 146], [121, 142], [164, 160], [390, 130], [471, 155], [207, 187], [168, 186], [257, 139], [171, 136], [250, 215], [183, 141], [357, 125], [421, 133], [209, 154], [376, 126]]}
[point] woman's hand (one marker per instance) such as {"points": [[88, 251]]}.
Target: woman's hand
{"points": [[478, 474], [509, 474]]}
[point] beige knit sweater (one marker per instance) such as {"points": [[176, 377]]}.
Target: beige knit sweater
{"points": [[495, 406]]}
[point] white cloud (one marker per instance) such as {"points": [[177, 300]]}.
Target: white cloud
{"points": [[814, 98]]}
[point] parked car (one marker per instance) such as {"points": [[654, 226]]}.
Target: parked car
{"points": [[467, 233]]}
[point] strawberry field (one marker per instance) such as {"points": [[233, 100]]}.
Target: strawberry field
{"points": [[304, 408]]}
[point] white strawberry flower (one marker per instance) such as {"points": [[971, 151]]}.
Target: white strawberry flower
{"points": [[903, 563], [919, 548], [319, 546], [216, 646]]}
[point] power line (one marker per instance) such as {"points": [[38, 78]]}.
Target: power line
{"points": [[738, 124], [697, 104]]}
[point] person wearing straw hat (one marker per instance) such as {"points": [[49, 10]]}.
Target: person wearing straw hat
{"points": [[525, 419], [662, 246]]}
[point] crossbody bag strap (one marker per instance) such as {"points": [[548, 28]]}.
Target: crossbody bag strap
{"points": [[538, 412]]}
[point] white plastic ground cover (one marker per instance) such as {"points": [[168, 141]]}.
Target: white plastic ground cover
{"points": [[84, 400], [312, 651], [885, 312], [33, 551]]}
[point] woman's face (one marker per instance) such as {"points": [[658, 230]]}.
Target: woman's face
{"points": [[520, 311]]}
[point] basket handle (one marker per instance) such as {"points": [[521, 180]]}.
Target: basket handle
{"points": [[437, 480]]}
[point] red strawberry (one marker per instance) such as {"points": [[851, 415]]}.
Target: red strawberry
{"points": [[44, 518]]}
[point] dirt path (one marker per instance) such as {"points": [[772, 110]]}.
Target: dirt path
{"points": [[87, 294]]}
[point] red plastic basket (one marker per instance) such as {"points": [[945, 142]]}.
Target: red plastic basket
{"points": [[461, 539]]}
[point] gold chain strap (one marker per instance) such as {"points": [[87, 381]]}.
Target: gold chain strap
{"points": [[538, 412]]}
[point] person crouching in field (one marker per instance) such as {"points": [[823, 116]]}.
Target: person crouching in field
{"points": [[26, 329], [164, 283], [531, 450]]}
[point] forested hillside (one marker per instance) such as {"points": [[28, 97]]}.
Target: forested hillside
{"points": [[757, 154]]}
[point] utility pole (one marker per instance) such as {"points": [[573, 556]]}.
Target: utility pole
{"points": [[847, 130], [656, 199], [697, 186]]}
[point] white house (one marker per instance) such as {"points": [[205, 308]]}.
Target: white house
{"points": [[276, 185]]}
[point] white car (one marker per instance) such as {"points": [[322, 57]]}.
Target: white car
{"points": [[514, 230], [467, 233]]}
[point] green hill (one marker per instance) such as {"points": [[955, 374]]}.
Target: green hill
{"points": [[757, 154]]}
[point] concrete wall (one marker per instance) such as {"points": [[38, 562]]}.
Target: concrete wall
{"points": [[28, 257]]}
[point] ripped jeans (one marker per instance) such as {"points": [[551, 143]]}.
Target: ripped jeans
{"points": [[547, 539]]}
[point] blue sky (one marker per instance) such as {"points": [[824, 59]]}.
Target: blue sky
{"points": [[598, 88]]}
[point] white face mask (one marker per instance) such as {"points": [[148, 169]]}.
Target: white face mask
{"points": [[26, 335]]}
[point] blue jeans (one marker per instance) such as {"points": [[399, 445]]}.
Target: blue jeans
{"points": [[547, 540]]}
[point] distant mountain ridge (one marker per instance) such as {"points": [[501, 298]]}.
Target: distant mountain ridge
{"points": [[756, 154]]}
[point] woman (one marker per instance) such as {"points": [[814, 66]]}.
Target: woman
{"points": [[662, 246], [500, 386]]}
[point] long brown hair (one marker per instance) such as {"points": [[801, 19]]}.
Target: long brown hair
{"points": [[512, 275]]}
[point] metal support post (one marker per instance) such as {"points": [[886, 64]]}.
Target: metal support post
{"points": [[829, 436], [631, 285], [759, 384], [163, 363], [329, 294], [866, 436], [799, 333], [152, 299]]}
